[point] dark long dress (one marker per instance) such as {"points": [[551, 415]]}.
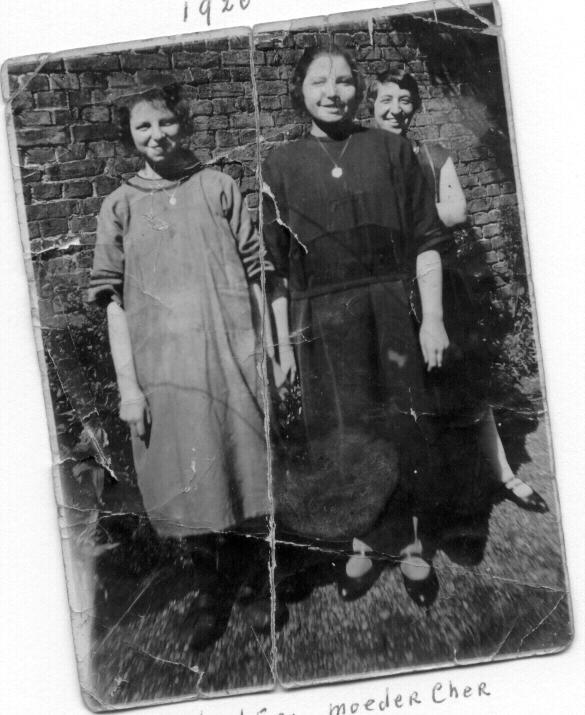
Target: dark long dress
{"points": [[348, 248]]}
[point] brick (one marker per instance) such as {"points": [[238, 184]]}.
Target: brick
{"points": [[236, 57], [490, 231], [221, 89], [77, 189], [203, 140], [270, 103], [239, 42], [494, 215], [29, 176], [36, 211], [152, 61], [91, 205], [508, 187], [121, 79], [73, 152], [479, 205], [265, 88], [45, 136], [105, 185], [59, 209], [204, 60], [53, 226], [63, 116], [151, 77], [81, 97], [78, 224], [64, 81], [493, 190], [40, 155], [479, 192], [102, 149], [287, 116], [95, 114], [267, 73], [210, 123], [93, 132], [34, 118], [245, 104], [197, 75], [95, 63], [201, 107], [92, 79], [480, 219], [305, 39], [217, 44], [234, 170], [33, 231], [34, 82], [225, 137], [370, 54], [47, 100], [80, 169]]}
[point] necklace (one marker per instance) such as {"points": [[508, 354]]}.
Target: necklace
{"points": [[337, 171]]}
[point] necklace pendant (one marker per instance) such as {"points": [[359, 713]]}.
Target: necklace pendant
{"points": [[337, 172], [172, 201]]}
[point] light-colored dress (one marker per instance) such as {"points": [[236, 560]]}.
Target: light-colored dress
{"points": [[180, 256]]}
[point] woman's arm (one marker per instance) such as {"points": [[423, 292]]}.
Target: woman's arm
{"points": [[133, 406], [452, 207], [432, 336], [285, 366]]}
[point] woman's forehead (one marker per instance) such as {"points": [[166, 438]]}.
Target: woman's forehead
{"points": [[150, 108], [391, 89], [329, 64]]}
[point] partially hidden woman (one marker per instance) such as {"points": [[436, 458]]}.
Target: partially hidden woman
{"points": [[348, 222], [395, 98], [177, 265]]}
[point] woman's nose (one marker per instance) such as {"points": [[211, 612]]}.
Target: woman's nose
{"points": [[156, 132], [330, 87], [395, 109]]}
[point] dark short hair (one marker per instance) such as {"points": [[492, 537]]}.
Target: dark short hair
{"points": [[300, 72], [170, 95], [400, 77]]}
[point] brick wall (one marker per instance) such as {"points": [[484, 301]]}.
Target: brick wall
{"points": [[70, 156]]}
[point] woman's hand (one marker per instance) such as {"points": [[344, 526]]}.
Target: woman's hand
{"points": [[285, 368], [134, 411], [433, 341]]}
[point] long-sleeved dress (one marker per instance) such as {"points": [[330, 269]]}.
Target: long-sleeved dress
{"points": [[347, 246], [180, 256]]}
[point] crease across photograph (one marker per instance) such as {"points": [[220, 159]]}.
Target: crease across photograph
{"points": [[285, 324]]}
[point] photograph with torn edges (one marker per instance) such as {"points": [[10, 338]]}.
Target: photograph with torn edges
{"points": [[285, 324]]}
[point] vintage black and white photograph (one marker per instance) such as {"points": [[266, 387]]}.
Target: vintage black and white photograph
{"points": [[282, 300]]}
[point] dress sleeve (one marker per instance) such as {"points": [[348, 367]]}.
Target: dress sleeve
{"points": [[428, 231], [107, 275], [276, 235], [249, 245]]}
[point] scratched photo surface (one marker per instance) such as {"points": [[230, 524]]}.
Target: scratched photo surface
{"points": [[285, 323]]}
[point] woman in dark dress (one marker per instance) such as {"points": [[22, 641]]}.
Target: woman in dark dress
{"points": [[349, 223], [395, 98]]}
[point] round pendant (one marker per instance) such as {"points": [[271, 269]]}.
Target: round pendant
{"points": [[172, 201], [337, 172]]}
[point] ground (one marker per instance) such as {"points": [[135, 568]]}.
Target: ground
{"points": [[502, 593]]}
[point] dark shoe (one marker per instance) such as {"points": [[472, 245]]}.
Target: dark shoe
{"points": [[257, 612], [420, 580], [511, 490], [350, 589], [209, 613]]}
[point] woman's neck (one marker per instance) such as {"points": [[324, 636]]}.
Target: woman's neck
{"points": [[180, 166], [337, 130]]}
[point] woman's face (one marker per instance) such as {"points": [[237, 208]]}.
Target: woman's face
{"points": [[329, 89], [393, 108], [156, 131]]}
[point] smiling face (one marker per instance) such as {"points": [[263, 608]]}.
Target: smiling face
{"points": [[329, 90], [156, 132], [393, 108]]}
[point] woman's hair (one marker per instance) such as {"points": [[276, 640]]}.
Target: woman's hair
{"points": [[169, 95], [400, 77], [311, 54]]}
